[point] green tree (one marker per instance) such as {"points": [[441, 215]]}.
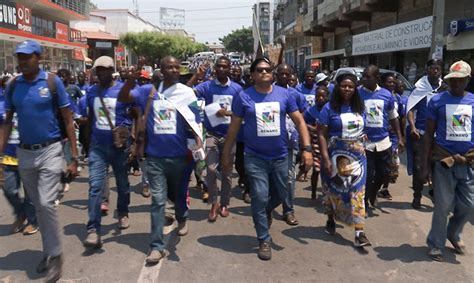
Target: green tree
{"points": [[240, 40], [154, 45]]}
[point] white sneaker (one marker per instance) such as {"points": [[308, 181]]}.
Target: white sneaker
{"points": [[56, 203], [66, 187]]}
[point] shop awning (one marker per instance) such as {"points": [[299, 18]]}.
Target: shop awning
{"points": [[331, 53], [19, 36], [98, 35]]}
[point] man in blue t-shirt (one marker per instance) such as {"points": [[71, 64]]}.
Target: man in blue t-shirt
{"points": [[283, 75], [264, 108], [40, 156], [169, 124], [308, 87], [449, 142], [425, 88], [380, 113], [104, 114], [218, 95]]}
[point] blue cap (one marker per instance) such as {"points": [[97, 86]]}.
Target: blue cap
{"points": [[29, 47]]}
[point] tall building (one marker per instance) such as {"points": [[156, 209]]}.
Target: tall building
{"points": [[46, 21], [263, 20]]}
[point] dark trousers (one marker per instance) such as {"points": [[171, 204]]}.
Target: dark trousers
{"points": [[417, 183], [378, 164], [239, 165]]}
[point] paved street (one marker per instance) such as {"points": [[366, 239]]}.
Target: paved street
{"points": [[226, 250]]}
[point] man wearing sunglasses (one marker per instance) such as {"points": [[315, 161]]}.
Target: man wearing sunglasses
{"points": [[264, 107]]}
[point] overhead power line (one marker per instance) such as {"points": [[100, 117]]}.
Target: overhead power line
{"points": [[201, 10]]}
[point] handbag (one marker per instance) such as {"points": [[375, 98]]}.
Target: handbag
{"points": [[120, 134]]}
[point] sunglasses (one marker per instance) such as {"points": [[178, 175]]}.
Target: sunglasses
{"points": [[260, 70]]}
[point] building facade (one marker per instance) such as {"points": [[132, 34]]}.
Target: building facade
{"points": [[46, 21], [394, 34]]}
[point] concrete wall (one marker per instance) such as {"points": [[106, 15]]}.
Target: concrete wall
{"points": [[94, 23]]}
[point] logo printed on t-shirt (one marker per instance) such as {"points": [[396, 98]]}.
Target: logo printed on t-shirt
{"points": [[268, 119], [310, 99], [43, 91], [102, 123], [374, 110], [165, 118], [352, 125], [458, 122]]}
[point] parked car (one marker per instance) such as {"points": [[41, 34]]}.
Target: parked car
{"points": [[234, 58], [359, 70]]}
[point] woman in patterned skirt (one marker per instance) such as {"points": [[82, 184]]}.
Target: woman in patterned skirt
{"points": [[341, 140]]}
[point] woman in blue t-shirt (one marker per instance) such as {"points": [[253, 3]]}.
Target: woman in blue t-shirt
{"points": [[341, 135]]}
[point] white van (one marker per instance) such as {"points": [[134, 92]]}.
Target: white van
{"points": [[207, 55]]}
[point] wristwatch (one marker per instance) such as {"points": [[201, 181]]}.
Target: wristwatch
{"points": [[307, 148]]}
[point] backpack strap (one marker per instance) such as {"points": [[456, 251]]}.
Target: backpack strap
{"points": [[10, 89], [53, 90]]}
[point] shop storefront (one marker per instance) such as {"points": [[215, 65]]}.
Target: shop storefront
{"points": [[18, 23], [460, 41], [403, 47]]}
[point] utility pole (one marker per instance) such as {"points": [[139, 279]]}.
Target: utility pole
{"points": [[437, 39]]}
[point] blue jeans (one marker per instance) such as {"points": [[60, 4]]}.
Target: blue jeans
{"points": [[268, 181], [454, 191], [22, 208], [100, 157], [165, 179], [288, 202]]}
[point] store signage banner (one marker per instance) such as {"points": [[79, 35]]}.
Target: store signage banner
{"points": [[120, 53], [103, 44], [23, 18], [8, 14], [62, 31], [405, 36], [459, 26]]}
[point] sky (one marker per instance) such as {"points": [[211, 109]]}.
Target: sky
{"points": [[208, 20]]}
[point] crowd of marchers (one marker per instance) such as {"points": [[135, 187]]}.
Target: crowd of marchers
{"points": [[347, 134]]}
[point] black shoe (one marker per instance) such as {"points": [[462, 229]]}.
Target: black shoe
{"points": [[361, 240], [42, 265], [416, 203], [313, 194], [458, 246], [435, 254], [290, 219], [55, 268], [330, 227], [265, 250]]}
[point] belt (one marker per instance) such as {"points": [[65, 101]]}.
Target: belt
{"points": [[38, 146]]}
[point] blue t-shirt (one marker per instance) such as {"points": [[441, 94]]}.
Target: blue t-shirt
{"points": [[32, 101], [265, 133], [167, 130], [82, 106], [311, 115], [118, 111], [216, 93], [453, 117], [378, 104], [400, 108], [420, 119], [308, 93], [344, 124]]}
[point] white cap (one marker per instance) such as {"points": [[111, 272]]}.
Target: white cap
{"points": [[320, 77], [459, 69], [103, 61]]}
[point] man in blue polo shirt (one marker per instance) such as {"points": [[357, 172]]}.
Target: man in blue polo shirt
{"points": [[103, 152], [449, 141], [264, 108], [380, 112], [220, 92], [40, 154]]}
